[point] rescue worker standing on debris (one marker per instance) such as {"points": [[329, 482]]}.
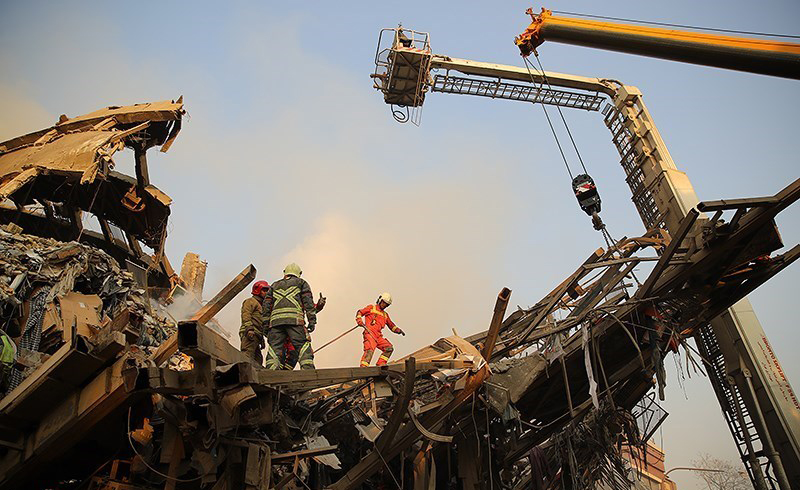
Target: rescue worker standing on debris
{"points": [[8, 357], [251, 332], [373, 318], [291, 352], [286, 307]]}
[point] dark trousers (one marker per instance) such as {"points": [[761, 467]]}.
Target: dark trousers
{"points": [[298, 336], [252, 348]]}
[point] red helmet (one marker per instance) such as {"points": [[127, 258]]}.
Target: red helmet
{"points": [[259, 286]]}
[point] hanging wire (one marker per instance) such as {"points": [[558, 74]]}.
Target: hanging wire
{"points": [[141, 458], [560, 112], [549, 122], [489, 441], [682, 26], [610, 241], [387, 466]]}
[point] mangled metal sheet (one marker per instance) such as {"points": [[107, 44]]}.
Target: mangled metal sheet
{"points": [[71, 165]]}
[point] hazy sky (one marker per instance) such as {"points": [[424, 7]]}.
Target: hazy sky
{"points": [[290, 155]]}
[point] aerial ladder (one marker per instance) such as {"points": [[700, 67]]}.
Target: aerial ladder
{"points": [[757, 401]]}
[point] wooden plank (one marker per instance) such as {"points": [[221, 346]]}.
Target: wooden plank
{"points": [[330, 376], [225, 295], [305, 453], [197, 339], [686, 224], [602, 287], [222, 298], [548, 302], [497, 320], [723, 204], [34, 381], [65, 424], [607, 263]]}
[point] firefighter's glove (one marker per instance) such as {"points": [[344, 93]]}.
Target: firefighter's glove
{"points": [[321, 302], [251, 334], [311, 327], [400, 331]]}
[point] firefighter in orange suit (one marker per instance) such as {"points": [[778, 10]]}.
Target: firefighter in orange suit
{"points": [[373, 318]]}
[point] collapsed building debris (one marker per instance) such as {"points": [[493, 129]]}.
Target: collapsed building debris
{"points": [[113, 396], [74, 289]]}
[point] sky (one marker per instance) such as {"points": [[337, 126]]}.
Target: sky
{"points": [[289, 155]]}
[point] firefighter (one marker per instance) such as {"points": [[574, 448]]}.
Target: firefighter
{"points": [[291, 352], [251, 333], [8, 358], [373, 318], [287, 305]]}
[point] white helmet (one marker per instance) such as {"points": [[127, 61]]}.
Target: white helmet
{"points": [[385, 297]]}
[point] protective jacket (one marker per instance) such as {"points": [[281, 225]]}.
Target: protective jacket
{"points": [[374, 319], [289, 302], [252, 316], [8, 355]]}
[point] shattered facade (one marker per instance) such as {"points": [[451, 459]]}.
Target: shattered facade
{"points": [[110, 392]]}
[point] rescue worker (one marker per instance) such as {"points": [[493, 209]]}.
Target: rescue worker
{"points": [[287, 305], [8, 357], [251, 332], [291, 352], [373, 318]]}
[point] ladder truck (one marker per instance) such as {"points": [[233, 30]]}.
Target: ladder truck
{"points": [[757, 400]]}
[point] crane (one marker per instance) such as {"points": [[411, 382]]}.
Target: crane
{"points": [[763, 56], [757, 400]]}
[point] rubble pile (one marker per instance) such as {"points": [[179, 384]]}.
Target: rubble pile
{"points": [[110, 392], [57, 285]]}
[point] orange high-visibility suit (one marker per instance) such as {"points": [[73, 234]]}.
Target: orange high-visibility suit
{"points": [[373, 319]]}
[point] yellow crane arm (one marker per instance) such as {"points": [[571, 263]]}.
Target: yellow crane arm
{"points": [[768, 57]]}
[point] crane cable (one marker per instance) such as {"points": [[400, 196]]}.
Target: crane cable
{"points": [[549, 122], [610, 242], [560, 112]]}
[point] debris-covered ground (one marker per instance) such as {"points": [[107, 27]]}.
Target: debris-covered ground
{"points": [[110, 391]]}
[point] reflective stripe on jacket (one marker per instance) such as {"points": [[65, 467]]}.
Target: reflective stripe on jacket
{"points": [[289, 301], [374, 319], [8, 349]]}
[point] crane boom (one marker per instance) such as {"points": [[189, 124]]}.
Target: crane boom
{"points": [[764, 56], [756, 398]]}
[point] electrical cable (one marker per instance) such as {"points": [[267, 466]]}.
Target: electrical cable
{"points": [[387, 466], [489, 442], [180, 480], [682, 26]]}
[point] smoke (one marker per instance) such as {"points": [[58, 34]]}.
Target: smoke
{"points": [[324, 178], [276, 169], [183, 306], [433, 250]]}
